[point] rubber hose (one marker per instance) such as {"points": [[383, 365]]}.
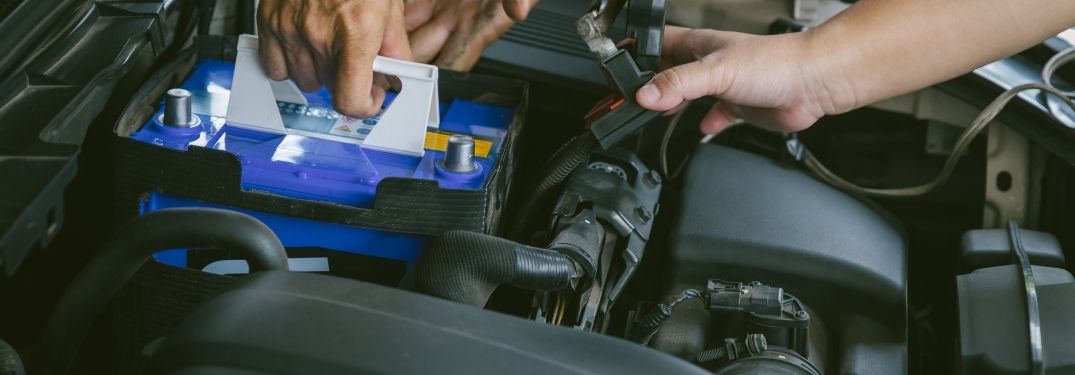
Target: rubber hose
{"points": [[94, 287], [10, 363], [466, 267], [564, 161]]}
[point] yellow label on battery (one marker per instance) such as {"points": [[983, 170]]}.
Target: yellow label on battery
{"points": [[438, 141]]}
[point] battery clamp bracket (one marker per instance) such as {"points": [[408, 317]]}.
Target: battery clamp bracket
{"points": [[401, 128]]}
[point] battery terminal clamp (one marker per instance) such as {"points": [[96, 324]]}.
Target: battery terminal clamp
{"points": [[618, 116]]}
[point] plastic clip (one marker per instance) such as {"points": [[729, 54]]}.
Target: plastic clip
{"points": [[796, 148]]}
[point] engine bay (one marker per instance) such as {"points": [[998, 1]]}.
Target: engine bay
{"points": [[547, 223]]}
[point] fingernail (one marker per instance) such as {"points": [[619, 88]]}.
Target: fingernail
{"points": [[649, 94]]}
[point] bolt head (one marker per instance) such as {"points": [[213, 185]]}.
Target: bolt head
{"points": [[652, 178], [643, 213]]}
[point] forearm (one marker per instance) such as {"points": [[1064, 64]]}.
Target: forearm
{"points": [[878, 49]]}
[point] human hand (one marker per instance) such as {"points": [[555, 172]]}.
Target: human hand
{"points": [[333, 43], [769, 81], [453, 33]]}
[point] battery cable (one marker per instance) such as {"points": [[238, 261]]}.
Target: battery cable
{"points": [[800, 152]]}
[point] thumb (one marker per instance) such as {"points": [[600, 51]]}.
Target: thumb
{"points": [[684, 82]]}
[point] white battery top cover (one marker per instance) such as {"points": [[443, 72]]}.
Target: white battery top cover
{"points": [[400, 129]]}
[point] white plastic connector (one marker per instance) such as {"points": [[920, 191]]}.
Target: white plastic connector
{"points": [[401, 129]]}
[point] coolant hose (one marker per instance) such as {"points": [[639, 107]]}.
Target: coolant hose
{"points": [[94, 287], [466, 267], [564, 161]]}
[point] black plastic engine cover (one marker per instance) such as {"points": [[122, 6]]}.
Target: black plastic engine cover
{"points": [[743, 217], [297, 323]]}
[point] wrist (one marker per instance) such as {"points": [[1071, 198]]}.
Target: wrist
{"points": [[827, 72]]}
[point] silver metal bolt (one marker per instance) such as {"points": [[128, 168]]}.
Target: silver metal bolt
{"points": [[177, 110], [459, 157]]}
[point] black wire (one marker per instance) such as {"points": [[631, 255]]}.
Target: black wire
{"points": [[205, 16], [648, 326], [194, 14]]}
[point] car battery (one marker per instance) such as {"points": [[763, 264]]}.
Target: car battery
{"points": [[336, 206]]}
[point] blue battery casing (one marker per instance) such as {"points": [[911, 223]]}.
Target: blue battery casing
{"points": [[319, 170]]}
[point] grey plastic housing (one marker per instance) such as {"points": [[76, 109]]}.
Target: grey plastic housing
{"points": [[982, 248], [744, 217], [993, 332]]}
